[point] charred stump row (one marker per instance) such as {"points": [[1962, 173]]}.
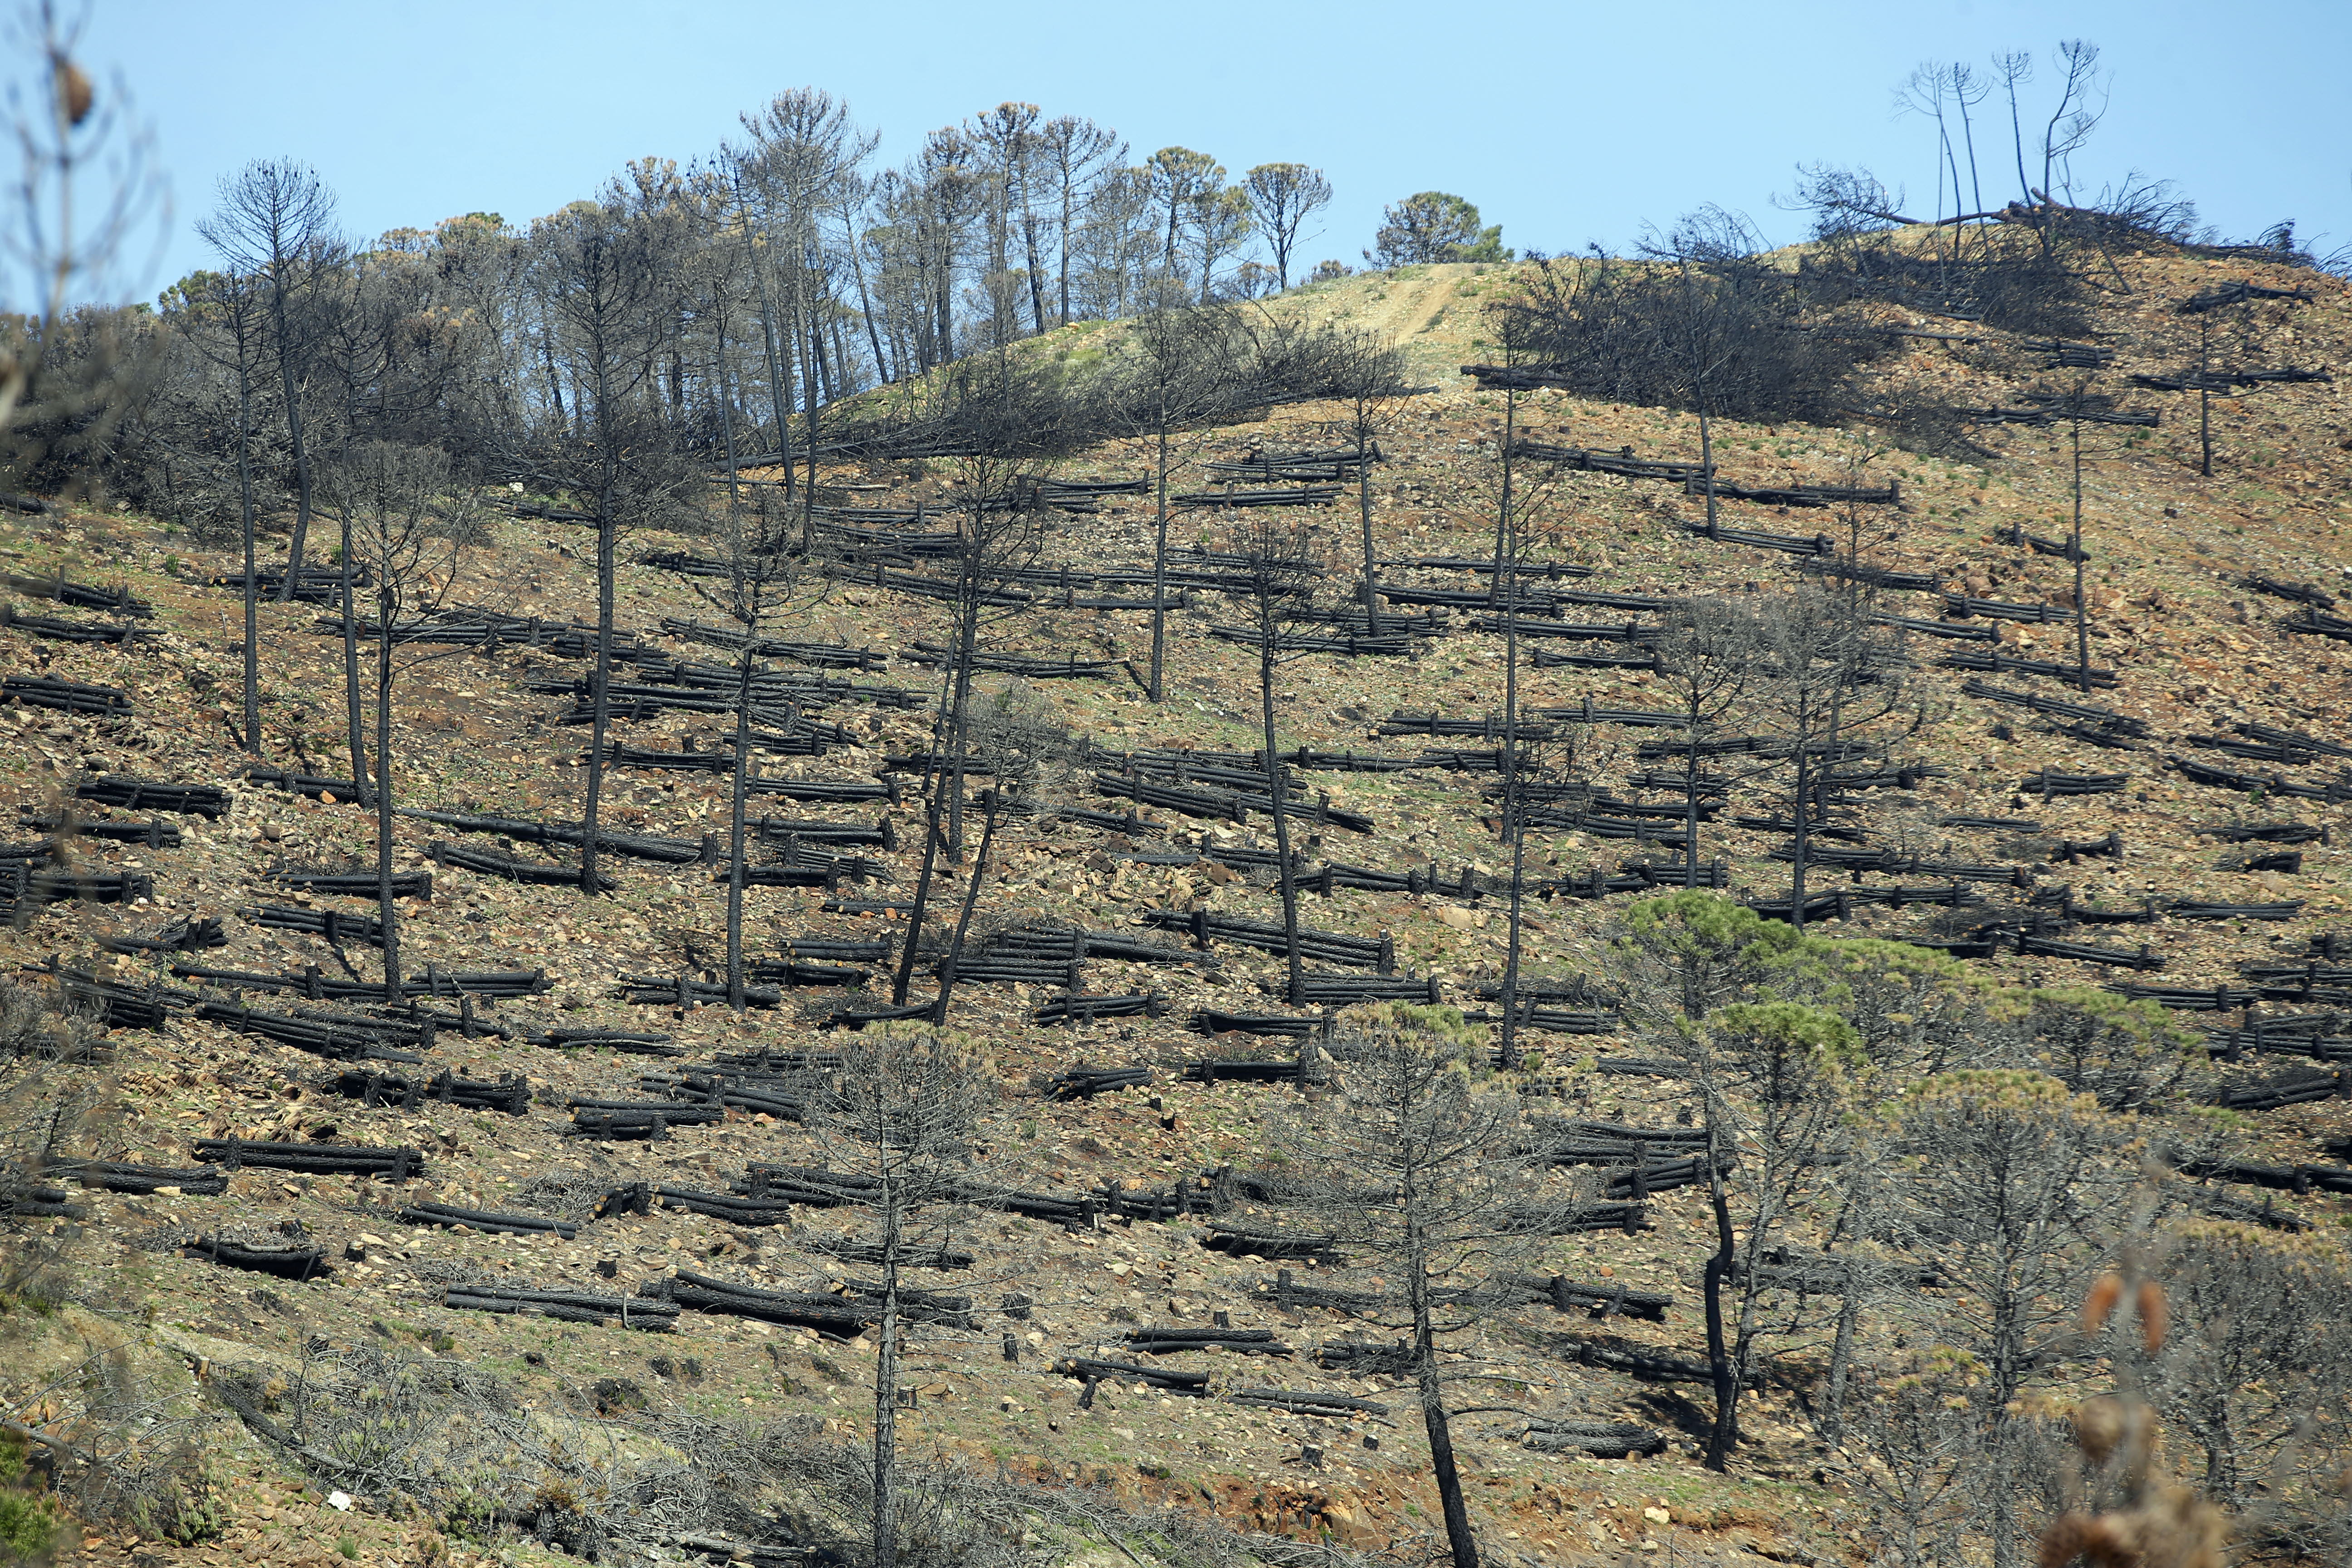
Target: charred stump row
{"points": [[1089, 1371], [83, 596], [1077, 1009], [1596, 1439], [634, 1042], [23, 887], [651, 1120], [65, 696], [659, 990], [290, 1262], [113, 1003], [509, 1095], [353, 884], [564, 1306], [120, 1176], [452, 1216], [336, 1036], [1315, 946], [147, 795], [396, 1164]]}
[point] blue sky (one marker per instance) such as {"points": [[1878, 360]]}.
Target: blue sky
{"points": [[1565, 123]]}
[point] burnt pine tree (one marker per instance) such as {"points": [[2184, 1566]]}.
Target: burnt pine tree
{"points": [[1823, 679], [901, 1140], [275, 222], [1178, 368], [1366, 374], [1420, 1164], [601, 270], [223, 317], [1521, 511], [1028, 755], [1704, 662], [409, 523], [1272, 568], [767, 572], [1007, 417]]}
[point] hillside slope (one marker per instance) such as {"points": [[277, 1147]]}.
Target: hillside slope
{"points": [[2197, 653]]}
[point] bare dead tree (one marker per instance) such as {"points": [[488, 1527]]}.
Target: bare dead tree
{"points": [[1367, 377], [1420, 1165], [900, 1138], [1283, 198], [409, 522], [1705, 661], [1179, 366], [1272, 568], [275, 222], [1028, 755], [2008, 1188], [1008, 418], [223, 321], [1822, 679], [601, 270]]}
